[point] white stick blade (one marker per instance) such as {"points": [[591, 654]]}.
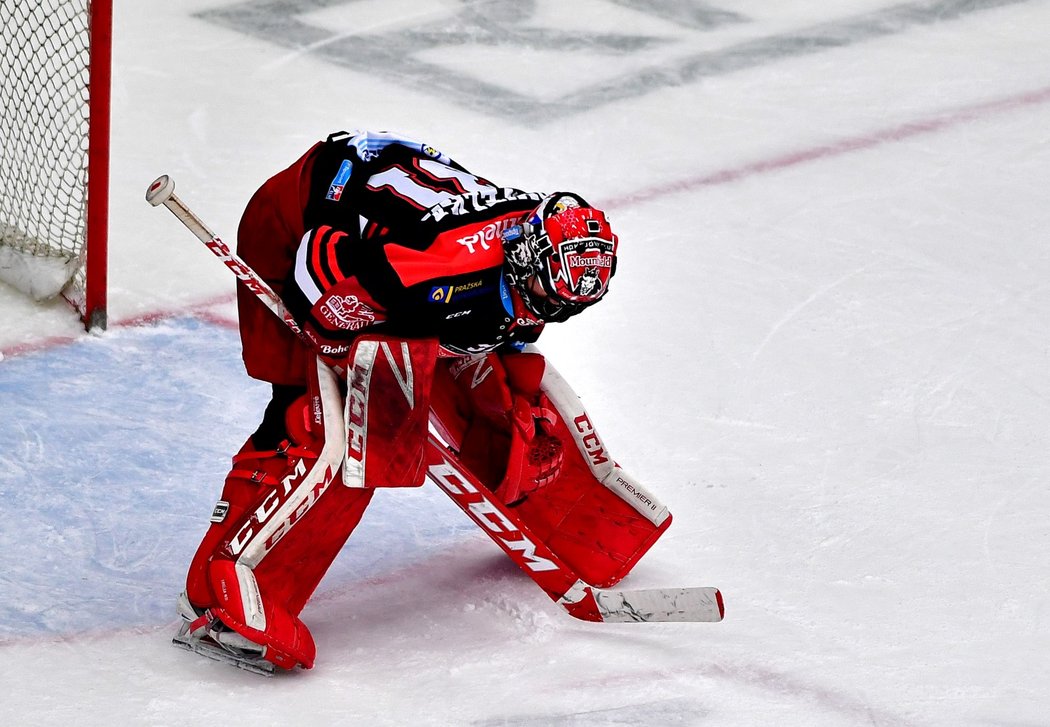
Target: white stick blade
{"points": [[661, 604]]}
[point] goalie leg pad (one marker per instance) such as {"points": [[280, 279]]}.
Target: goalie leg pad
{"points": [[256, 570], [292, 570], [249, 478], [388, 387], [254, 474], [558, 475], [242, 608], [595, 516]]}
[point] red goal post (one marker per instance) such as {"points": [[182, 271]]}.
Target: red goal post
{"points": [[54, 129]]}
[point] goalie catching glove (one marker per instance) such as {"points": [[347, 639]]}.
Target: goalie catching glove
{"points": [[508, 439]]}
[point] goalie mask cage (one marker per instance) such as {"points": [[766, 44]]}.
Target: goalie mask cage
{"points": [[54, 129]]}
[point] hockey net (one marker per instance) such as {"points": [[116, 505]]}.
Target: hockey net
{"points": [[54, 128]]}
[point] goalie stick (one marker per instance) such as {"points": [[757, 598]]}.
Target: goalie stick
{"points": [[162, 192], [550, 573], [561, 583]]}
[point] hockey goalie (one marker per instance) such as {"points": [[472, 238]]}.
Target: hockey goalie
{"points": [[418, 289]]}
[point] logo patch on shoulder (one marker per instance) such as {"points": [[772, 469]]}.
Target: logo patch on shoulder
{"points": [[335, 189], [347, 312], [218, 513]]}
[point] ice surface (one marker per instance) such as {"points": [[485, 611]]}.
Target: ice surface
{"points": [[827, 348]]}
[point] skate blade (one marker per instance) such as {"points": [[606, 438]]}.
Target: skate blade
{"points": [[256, 665]]}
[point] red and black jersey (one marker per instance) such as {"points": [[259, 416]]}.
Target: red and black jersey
{"points": [[401, 240]]}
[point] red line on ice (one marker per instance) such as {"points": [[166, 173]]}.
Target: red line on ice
{"points": [[940, 122], [200, 310]]}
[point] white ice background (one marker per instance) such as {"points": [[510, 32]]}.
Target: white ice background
{"points": [[827, 349]]}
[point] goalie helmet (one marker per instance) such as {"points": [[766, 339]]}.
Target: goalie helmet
{"points": [[561, 256]]}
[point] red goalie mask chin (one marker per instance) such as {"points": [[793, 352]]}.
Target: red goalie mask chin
{"points": [[567, 248]]}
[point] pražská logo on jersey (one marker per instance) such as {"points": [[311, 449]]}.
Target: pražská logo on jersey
{"points": [[347, 312], [445, 293], [581, 268]]}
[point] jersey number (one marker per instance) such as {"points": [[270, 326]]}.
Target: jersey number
{"points": [[414, 190]]}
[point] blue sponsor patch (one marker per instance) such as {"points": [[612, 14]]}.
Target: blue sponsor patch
{"points": [[335, 189], [504, 295], [512, 233]]}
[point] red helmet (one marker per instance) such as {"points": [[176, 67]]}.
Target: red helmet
{"points": [[568, 249]]}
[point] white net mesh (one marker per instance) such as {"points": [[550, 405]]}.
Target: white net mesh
{"points": [[44, 63]]}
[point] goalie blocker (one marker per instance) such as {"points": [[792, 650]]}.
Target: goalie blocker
{"points": [[510, 420]]}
